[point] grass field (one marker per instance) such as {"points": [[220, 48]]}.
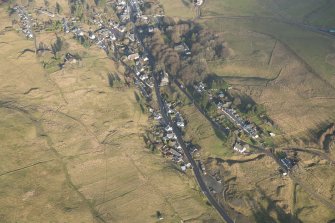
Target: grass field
{"points": [[255, 188], [200, 131], [72, 147], [313, 12], [288, 69], [178, 8]]}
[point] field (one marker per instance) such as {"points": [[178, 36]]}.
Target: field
{"points": [[312, 12], [255, 188], [198, 129], [298, 92], [283, 66], [289, 69], [178, 8], [72, 146]]}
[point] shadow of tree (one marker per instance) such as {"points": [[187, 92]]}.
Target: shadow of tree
{"points": [[270, 212]]}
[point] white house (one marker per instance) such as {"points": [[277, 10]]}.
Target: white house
{"points": [[241, 148]]}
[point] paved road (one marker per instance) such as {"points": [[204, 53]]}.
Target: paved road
{"points": [[176, 130], [196, 170], [293, 175]]}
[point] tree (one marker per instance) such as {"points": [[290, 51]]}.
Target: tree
{"points": [[159, 215], [237, 101], [46, 3], [58, 8], [57, 46]]}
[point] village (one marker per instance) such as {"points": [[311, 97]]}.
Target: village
{"points": [[121, 37]]}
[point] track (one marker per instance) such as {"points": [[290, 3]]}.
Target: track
{"points": [[296, 24], [293, 175]]}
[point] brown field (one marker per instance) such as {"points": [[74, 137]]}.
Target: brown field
{"points": [[72, 147], [290, 71], [177, 8], [285, 68], [255, 188]]}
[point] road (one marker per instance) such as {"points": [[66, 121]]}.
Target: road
{"points": [[167, 120], [293, 175], [196, 170]]}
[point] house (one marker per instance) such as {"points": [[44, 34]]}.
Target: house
{"points": [[287, 163], [165, 79], [272, 134], [189, 165], [157, 116], [170, 135], [91, 35], [121, 29], [150, 29], [179, 120], [131, 37], [144, 77], [238, 147], [145, 58], [178, 147], [180, 124], [168, 128], [192, 149], [198, 2], [221, 95], [69, 58], [175, 153], [171, 111], [179, 48], [134, 56]]}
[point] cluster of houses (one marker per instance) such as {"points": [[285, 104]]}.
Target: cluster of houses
{"points": [[200, 87], [135, 7], [111, 35], [134, 56], [166, 139], [246, 126], [224, 105], [25, 21], [223, 102], [123, 11]]}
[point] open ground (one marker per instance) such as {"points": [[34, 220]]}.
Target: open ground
{"points": [[72, 146]]}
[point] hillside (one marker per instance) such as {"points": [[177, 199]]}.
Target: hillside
{"points": [[278, 53], [72, 146]]}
